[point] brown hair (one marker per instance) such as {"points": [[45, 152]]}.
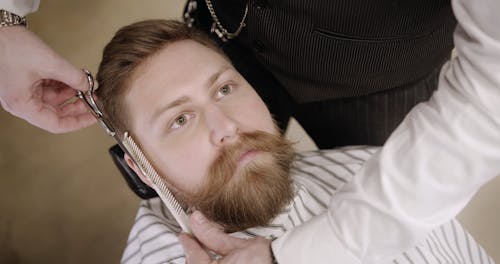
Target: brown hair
{"points": [[130, 46]]}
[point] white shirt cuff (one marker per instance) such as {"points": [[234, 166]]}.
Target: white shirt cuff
{"points": [[20, 7]]}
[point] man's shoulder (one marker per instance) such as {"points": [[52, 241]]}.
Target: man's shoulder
{"points": [[348, 154], [323, 172], [153, 237], [339, 161], [154, 211]]}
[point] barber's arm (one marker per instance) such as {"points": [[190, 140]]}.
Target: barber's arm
{"points": [[36, 82], [430, 167], [428, 170]]}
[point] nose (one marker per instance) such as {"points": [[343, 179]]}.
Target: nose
{"points": [[223, 129]]}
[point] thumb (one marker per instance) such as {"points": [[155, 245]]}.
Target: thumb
{"points": [[212, 236], [194, 252]]}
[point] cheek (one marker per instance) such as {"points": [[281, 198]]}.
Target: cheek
{"points": [[256, 115], [185, 166]]}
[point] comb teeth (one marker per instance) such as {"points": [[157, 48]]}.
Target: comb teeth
{"points": [[158, 185]]}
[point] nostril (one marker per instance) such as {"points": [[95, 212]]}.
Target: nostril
{"points": [[224, 139]]}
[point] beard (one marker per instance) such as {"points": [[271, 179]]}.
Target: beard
{"points": [[240, 197]]}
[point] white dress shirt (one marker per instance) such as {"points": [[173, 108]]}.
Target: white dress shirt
{"points": [[430, 167]]}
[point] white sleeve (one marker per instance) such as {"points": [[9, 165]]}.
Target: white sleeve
{"points": [[430, 167], [20, 7]]}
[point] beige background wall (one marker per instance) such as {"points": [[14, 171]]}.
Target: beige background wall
{"points": [[61, 198]]}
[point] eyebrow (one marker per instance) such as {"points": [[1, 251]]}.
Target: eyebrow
{"points": [[185, 99]]}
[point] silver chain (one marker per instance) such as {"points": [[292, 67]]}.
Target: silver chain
{"points": [[220, 30]]}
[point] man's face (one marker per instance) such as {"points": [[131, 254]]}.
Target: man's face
{"points": [[188, 106]]}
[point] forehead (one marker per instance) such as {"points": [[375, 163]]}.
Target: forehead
{"points": [[172, 65]]}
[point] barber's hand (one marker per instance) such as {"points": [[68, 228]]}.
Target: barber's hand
{"points": [[35, 81], [232, 250]]}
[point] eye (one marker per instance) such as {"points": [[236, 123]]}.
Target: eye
{"points": [[224, 91], [180, 121]]}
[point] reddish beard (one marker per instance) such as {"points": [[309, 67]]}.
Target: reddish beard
{"points": [[250, 195]]}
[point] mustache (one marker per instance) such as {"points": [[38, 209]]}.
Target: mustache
{"points": [[258, 140], [230, 154], [225, 165]]}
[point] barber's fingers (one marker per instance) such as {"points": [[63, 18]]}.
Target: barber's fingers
{"points": [[58, 110], [53, 93], [212, 236], [73, 118], [51, 121], [75, 108], [194, 252], [75, 122]]}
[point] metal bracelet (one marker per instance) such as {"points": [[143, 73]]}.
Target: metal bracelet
{"points": [[8, 19]]}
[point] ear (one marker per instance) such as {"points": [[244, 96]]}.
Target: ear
{"points": [[137, 170]]}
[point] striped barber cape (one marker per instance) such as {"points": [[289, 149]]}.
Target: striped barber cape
{"points": [[317, 176]]}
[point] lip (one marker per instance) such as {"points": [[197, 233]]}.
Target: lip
{"points": [[247, 156]]}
